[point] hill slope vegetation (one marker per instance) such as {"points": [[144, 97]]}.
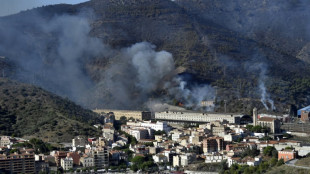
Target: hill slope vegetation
{"points": [[29, 111]]}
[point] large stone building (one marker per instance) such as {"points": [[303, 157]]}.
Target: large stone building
{"points": [[273, 123], [138, 115], [200, 117]]}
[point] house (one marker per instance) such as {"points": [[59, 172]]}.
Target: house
{"points": [[58, 156], [183, 160], [78, 142], [305, 115], [253, 161], [87, 161], [215, 158], [287, 154], [108, 132], [160, 158], [67, 163], [75, 156]]}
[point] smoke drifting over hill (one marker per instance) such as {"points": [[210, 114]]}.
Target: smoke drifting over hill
{"points": [[56, 61]]}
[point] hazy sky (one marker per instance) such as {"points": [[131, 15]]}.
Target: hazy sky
{"points": [[8, 7]]}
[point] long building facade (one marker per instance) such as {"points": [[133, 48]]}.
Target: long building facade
{"points": [[138, 115], [198, 117]]}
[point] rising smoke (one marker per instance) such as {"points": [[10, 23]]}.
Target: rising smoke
{"points": [[265, 97], [53, 53]]}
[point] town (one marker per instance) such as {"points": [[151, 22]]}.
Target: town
{"points": [[169, 141]]}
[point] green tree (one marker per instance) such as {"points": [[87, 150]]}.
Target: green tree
{"points": [[280, 162], [138, 160], [123, 120], [267, 151], [273, 161], [159, 132]]}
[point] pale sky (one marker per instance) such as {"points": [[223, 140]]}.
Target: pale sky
{"points": [[8, 7]]}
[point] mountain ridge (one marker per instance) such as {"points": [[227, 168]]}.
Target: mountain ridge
{"points": [[212, 53]]}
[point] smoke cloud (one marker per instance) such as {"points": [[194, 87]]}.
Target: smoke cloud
{"points": [[192, 95], [265, 97], [52, 55], [54, 52]]}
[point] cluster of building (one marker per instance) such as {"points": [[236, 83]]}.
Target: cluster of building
{"points": [[218, 137], [144, 130]]}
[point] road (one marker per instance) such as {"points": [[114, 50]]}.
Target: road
{"points": [[292, 164]]}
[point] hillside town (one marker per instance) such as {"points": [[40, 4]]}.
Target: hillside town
{"points": [[135, 141]]}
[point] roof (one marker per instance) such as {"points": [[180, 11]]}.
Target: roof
{"points": [[288, 141], [269, 142], [287, 150], [307, 108], [267, 119]]}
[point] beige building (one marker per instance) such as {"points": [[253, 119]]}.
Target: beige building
{"points": [[273, 123], [108, 132], [6, 140], [186, 116], [139, 115], [218, 130], [183, 160], [87, 161], [66, 163]]}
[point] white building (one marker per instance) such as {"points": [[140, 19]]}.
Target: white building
{"points": [[87, 161], [160, 158], [176, 135], [215, 158], [183, 160], [78, 142], [140, 133], [196, 117], [66, 163], [158, 126]]}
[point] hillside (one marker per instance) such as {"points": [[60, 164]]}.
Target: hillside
{"points": [[29, 111], [229, 46]]}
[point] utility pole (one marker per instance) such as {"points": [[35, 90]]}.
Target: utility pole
{"points": [[225, 102]]}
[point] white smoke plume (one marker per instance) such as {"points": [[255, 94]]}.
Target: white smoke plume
{"points": [[193, 95], [264, 95], [53, 52]]}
